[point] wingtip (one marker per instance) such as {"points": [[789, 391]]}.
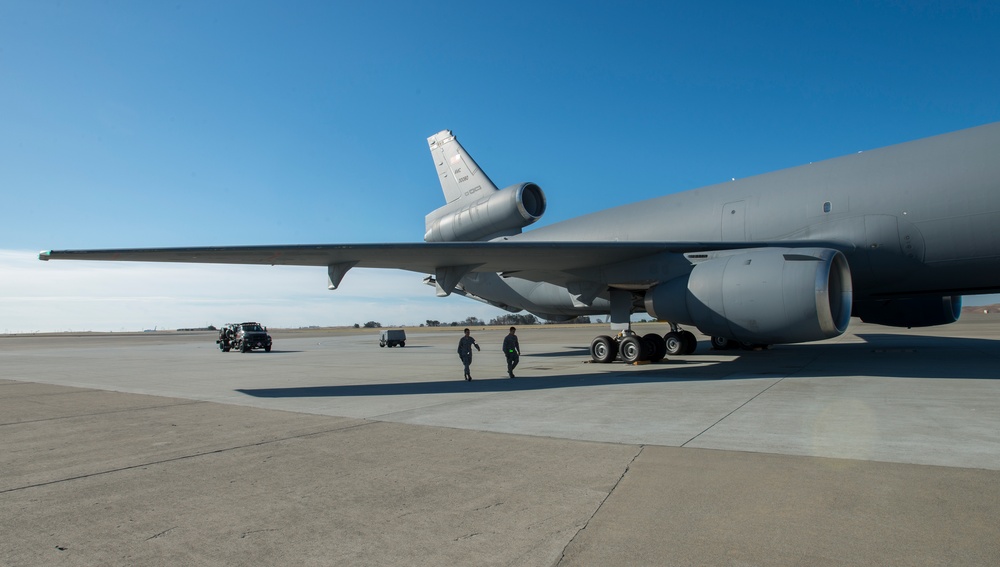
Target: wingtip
{"points": [[44, 255]]}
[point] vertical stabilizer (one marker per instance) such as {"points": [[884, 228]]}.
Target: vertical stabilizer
{"points": [[459, 174]]}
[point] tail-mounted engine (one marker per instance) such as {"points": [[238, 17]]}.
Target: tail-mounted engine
{"points": [[497, 213], [767, 295]]}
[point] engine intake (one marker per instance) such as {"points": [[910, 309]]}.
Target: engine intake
{"points": [[767, 295], [500, 213]]}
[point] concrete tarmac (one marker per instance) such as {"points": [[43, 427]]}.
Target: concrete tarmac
{"points": [[879, 447]]}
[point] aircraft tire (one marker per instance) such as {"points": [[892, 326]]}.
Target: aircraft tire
{"points": [[674, 343], [690, 342], [631, 350], [722, 343], [603, 349], [657, 347]]}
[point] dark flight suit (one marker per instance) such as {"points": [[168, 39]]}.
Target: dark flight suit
{"points": [[512, 350], [465, 345]]}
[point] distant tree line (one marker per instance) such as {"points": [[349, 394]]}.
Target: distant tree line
{"points": [[514, 319], [473, 321]]}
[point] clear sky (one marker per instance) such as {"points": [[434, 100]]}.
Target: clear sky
{"points": [[148, 124]]}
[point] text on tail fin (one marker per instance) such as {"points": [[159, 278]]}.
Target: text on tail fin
{"points": [[459, 174]]}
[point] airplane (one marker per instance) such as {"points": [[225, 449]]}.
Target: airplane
{"points": [[894, 236]]}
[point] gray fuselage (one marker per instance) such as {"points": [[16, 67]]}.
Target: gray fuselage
{"points": [[915, 218]]}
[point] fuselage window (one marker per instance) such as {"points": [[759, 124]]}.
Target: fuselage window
{"points": [[827, 207]]}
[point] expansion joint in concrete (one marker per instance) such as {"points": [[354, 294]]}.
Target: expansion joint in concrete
{"points": [[736, 409], [601, 505]]}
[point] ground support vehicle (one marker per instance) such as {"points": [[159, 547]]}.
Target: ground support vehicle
{"points": [[392, 337], [243, 337]]}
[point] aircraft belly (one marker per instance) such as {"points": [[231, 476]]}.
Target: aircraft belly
{"points": [[536, 297]]}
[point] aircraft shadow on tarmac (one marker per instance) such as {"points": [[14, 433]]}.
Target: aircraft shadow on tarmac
{"points": [[571, 351], [893, 356]]}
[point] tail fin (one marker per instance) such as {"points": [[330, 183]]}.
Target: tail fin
{"points": [[460, 175]]}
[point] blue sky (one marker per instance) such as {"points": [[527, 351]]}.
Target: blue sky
{"points": [[133, 124]]}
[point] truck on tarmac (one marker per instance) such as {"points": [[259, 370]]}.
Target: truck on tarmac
{"points": [[243, 337], [392, 337]]}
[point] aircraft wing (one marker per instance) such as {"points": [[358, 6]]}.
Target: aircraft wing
{"points": [[553, 261], [420, 257]]}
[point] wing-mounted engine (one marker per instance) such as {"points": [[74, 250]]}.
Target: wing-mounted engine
{"points": [[767, 295], [496, 213], [910, 311]]}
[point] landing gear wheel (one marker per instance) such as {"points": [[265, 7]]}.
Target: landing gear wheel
{"points": [[722, 343], [674, 343], [631, 349], [657, 346], [690, 342], [603, 349]]}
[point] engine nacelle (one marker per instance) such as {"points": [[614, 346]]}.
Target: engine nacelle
{"points": [[499, 213], [766, 295], [910, 311]]}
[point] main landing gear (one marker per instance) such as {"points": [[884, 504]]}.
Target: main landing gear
{"points": [[630, 346], [633, 348]]}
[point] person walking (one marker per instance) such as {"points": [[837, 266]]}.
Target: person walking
{"points": [[512, 350], [465, 345]]}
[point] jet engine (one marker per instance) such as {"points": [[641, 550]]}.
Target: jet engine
{"points": [[498, 213], [910, 311], [765, 295]]}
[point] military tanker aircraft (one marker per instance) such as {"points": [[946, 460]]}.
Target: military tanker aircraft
{"points": [[894, 236]]}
